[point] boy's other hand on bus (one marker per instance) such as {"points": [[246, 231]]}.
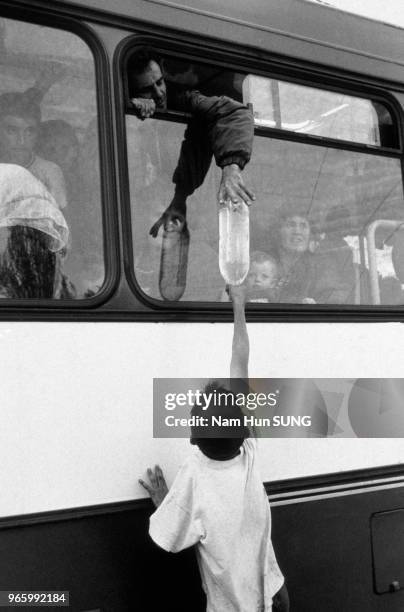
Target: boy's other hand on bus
{"points": [[157, 488], [232, 187], [144, 107]]}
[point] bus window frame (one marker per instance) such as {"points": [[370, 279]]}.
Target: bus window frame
{"points": [[108, 204], [216, 311]]}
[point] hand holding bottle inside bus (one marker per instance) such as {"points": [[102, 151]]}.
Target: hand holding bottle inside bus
{"points": [[175, 213]]}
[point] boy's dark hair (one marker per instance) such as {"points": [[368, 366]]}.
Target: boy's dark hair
{"points": [[262, 257], [287, 212], [19, 104], [141, 58], [219, 441]]}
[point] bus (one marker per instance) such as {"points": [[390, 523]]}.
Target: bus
{"points": [[79, 356]]}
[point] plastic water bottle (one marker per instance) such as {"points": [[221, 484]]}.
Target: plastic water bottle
{"points": [[174, 260], [234, 242]]}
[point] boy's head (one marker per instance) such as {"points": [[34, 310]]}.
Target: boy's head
{"points": [[19, 121], [264, 271], [216, 441]]}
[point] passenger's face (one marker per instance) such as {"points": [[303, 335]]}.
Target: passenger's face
{"points": [[263, 275], [151, 85], [295, 234], [63, 153], [18, 138]]}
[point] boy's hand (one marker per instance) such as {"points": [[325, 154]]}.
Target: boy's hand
{"points": [[238, 294], [157, 488]]}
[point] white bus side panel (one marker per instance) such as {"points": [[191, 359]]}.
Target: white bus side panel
{"points": [[77, 402]]}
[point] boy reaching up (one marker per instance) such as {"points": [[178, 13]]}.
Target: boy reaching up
{"points": [[218, 503]]}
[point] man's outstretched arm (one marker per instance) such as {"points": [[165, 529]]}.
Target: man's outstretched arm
{"points": [[229, 126]]}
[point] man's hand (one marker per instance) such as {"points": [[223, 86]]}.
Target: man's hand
{"points": [[173, 218], [144, 107], [232, 187], [157, 488]]}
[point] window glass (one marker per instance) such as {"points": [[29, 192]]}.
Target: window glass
{"points": [[287, 106], [325, 228], [306, 110], [50, 212]]}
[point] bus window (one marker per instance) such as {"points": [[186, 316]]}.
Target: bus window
{"points": [[51, 220], [309, 228], [308, 110]]}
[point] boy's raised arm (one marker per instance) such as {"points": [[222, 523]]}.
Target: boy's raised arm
{"points": [[241, 345]]}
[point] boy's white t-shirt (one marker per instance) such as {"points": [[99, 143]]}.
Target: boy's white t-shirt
{"points": [[222, 507]]}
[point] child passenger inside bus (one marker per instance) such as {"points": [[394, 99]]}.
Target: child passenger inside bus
{"points": [[218, 503], [219, 126], [262, 280], [20, 116]]}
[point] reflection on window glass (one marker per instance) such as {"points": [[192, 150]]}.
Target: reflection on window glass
{"points": [[312, 217], [309, 224], [318, 112], [50, 200], [153, 149], [326, 227]]}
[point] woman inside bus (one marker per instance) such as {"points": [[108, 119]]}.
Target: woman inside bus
{"points": [[33, 237], [290, 245], [303, 277]]}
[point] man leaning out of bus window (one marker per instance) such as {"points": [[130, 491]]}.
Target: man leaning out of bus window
{"points": [[219, 126], [218, 503]]}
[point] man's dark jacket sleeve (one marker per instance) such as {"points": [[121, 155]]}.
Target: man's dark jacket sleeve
{"points": [[219, 126]]}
